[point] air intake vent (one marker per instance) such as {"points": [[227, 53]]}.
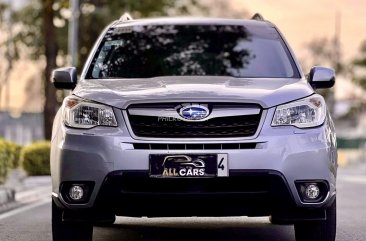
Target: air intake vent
{"points": [[210, 146]]}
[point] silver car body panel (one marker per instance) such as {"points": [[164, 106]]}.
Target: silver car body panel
{"points": [[91, 154], [265, 92], [299, 154]]}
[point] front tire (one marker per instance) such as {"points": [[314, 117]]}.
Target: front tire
{"points": [[66, 231], [318, 230]]}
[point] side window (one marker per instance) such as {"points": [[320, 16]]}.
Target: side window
{"points": [[102, 61]]}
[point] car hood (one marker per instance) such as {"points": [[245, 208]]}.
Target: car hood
{"points": [[122, 92]]}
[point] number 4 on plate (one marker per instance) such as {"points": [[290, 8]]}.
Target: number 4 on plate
{"points": [[222, 165]]}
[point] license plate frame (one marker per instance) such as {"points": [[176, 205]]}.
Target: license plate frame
{"points": [[188, 165]]}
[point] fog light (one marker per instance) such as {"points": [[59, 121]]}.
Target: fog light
{"points": [[76, 192], [312, 191]]}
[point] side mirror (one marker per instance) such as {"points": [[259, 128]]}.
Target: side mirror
{"points": [[64, 78], [321, 78]]}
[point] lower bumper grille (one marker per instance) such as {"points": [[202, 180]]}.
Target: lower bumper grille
{"points": [[234, 184], [134, 193], [211, 146]]}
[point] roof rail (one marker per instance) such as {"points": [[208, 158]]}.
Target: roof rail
{"points": [[258, 17], [126, 17]]}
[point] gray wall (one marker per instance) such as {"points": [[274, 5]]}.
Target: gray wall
{"points": [[25, 129]]}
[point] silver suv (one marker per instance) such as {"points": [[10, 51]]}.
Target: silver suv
{"points": [[175, 116]]}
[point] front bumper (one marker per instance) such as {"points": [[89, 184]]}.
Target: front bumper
{"points": [[103, 154], [244, 193]]}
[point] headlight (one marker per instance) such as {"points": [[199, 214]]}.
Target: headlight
{"points": [[80, 113], [304, 113]]}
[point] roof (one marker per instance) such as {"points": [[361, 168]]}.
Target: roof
{"points": [[191, 21]]}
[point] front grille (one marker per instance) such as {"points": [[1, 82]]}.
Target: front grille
{"points": [[218, 127], [193, 146]]}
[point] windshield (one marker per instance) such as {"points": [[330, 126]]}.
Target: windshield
{"points": [[177, 50]]}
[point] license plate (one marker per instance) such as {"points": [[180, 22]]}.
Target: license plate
{"points": [[188, 165]]}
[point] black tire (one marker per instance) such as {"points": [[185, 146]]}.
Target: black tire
{"points": [[318, 230], [66, 231]]}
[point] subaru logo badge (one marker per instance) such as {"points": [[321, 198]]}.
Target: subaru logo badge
{"points": [[194, 112]]}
